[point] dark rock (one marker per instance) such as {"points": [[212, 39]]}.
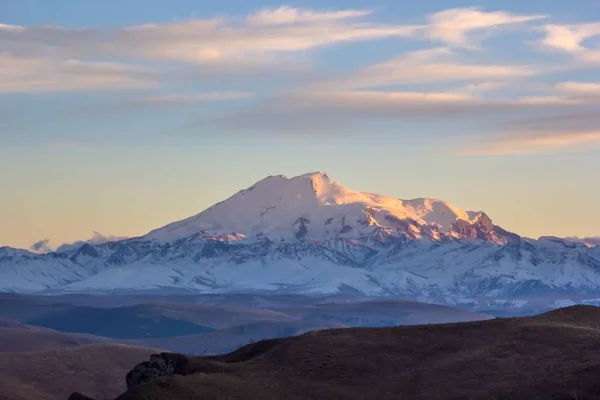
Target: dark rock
{"points": [[167, 364], [79, 396], [483, 229], [346, 229], [302, 230], [163, 364]]}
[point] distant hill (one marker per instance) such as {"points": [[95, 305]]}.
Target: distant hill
{"points": [[14, 340], [119, 323], [550, 356], [229, 339]]}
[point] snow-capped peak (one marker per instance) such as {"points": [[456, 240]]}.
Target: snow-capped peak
{"points": [[314, 206]]}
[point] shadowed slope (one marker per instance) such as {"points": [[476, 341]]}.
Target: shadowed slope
{"points": [[14, 340], [98, 370], [552, 356]]}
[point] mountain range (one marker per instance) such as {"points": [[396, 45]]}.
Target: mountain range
{"points": [[311, 235]]}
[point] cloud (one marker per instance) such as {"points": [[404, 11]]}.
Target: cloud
{"points": [[354, 111], [166, 100], [97, 238], [194, 97], [455, 26], [582, 89], [205, 41], [539, 143], [289, 15], [397, 89], [569, 38], [42, 246], [577, 131], [548, 100], [42, 57], [18, 74], [423, 66], [484, 87]]}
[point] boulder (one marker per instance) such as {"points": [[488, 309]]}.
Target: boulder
{"points": [[79, 396], [163, 364]]}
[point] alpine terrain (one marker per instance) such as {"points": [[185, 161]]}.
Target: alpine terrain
{"points": [[311, 235]]}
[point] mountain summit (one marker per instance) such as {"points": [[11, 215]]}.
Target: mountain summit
{"points": [[313, 206], [311, 235]]}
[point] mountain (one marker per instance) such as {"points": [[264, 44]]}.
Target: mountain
{"points": [[311, 235], [315, 207], [549, 356]]}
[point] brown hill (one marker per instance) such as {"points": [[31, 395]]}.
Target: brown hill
{"points": [[14, 340], [97, 369], [228, 339], [551, 356]]}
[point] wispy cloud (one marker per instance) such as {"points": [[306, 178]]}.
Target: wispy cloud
{"points": [[457, 26], [262, 39], [206, 41], [41, 58], [443, 82], [336, 112], [194, 97], [18, 74], [423, 66], [170, 100], [582, 89], [575, 131], [539, 143], [289, 15], [571, 40]]}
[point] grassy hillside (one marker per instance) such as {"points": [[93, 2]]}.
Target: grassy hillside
{"points": [[98, 370], [551, 356]]}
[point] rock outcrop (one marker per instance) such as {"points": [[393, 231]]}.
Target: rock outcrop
{"points": [[163, 364], [166, 364], [79, 396]]}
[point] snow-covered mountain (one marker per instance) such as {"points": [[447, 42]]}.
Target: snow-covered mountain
{"points": [[312, 206], [309, 234]]}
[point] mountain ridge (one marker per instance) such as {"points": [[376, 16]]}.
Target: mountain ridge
{"points": [[309, 234]]}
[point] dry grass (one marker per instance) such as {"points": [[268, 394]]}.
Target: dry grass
{"points": [[52, 375], [15, 340], [552, 356]]}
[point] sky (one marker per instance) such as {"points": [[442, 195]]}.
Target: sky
{"points": [[121, 116]]}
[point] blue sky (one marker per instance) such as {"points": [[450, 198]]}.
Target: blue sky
{"points": [[121, 116]]}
